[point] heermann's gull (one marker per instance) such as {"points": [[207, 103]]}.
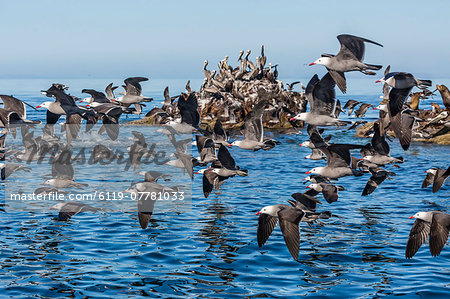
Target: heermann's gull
{"points": [[362, 109], [349, 58], [65, 105], [133, 93], [184, 160], [64, 183], [220, 170], [143, 192], [401, 84], [9, 119], [321, 97], [385, 95], [397, 98], [408, 120], [63, 172], [69, 209], [219, 134], [110, 114], [308, 204], [109, 90], [338, 109], [229, 168], [190, 117], [154, 176], [254, 131], [432, 223], [355, 124], [379, 151], [350, 105], [316, 178], [12, 104], [138, 150], [96, 98], [437, 177], [7, 169], [206, 148], [402, 80], [338, 162], [289, 218], [103, 154], [47, 191], [383, 118], [316, 154], [32, 151], [316, 141], [211, 180], [378, 177], [328, 190]]}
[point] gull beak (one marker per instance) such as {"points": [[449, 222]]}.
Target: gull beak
{"points": [[308, 172], [258, 213], [312, 63], [292, 119], [378, 81], [38, 106], [307, 187], [411, 217]]}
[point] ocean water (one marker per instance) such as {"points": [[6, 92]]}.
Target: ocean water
{"points": [[210, 249]]}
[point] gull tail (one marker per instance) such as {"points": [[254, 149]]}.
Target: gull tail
{"points": [[343, 122], [325, 215], [399, 159], [270, 143], [374, 66], [317, 215], [241, 172], [424, 82]]}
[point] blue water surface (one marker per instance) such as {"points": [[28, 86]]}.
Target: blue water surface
{"points": [[211, 249]]}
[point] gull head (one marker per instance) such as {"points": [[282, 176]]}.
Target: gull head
{"points": [[58, 206], [269, 210], [326, 61], [45, 105], [425, 216]]}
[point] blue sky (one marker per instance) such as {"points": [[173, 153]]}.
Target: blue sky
{"points": [[170, 39]]}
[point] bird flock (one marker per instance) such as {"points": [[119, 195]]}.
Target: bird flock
{"points": [[247, 98]]}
